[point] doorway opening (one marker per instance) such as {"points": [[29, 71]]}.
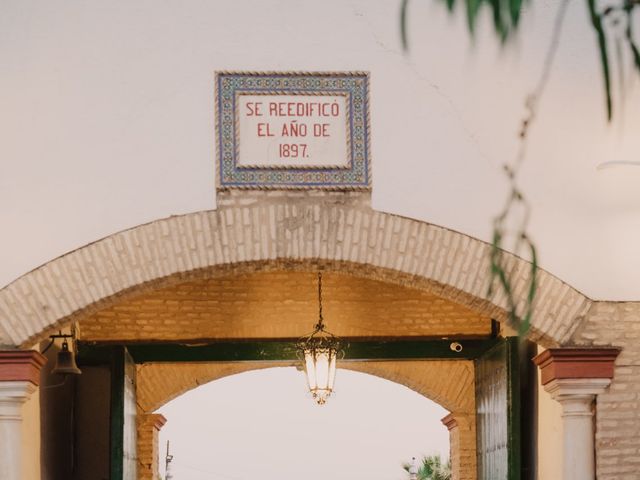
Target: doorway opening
{"points": [[262, 424]]}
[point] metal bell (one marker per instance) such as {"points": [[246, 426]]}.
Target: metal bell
{"points": [[66, 362]]}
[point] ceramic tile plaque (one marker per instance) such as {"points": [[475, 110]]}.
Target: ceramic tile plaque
{"points": [[293, 130]]}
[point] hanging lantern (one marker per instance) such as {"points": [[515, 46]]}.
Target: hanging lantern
{"points": [[320, 351]]}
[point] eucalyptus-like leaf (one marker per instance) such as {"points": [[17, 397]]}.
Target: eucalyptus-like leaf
{"points": [[498, 22], [636, 55], [515, 7], [473, 7], [635, 51], [596, 21], [525, 322], [403, 24], [505, 14]]}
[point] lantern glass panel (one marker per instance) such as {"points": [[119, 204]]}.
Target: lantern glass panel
{"points": [[322, 368], [310, 369], [332, 370]]}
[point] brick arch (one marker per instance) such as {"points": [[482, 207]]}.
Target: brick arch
{"points": [[275, 230], [159, 383]]}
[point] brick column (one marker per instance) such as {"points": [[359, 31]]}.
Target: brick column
{"points": [[149, 426], [19, 378], [454, 444], [574, 377], [462, 445]]}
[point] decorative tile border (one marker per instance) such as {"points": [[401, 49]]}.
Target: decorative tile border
{"points": [[352, 174]]}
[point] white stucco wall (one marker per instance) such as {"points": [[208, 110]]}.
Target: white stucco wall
{"points": [[107, 121]]}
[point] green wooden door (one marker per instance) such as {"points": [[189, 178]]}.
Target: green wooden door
{"points": [[498, 412], [123, 416]]}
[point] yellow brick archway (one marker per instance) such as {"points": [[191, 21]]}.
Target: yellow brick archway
{"points": [[278, 304], [335, 230], [160, 383], [448, 383]]}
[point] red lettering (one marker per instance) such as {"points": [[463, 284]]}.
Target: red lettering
{"points": [[320, 129], [264, 130], [293, 150], [253, 109]]}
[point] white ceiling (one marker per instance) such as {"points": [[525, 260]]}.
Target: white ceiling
{"points": [[107, 121]]}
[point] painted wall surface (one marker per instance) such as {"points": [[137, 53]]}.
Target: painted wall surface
{"points": [[56, 430], [550, 445], [31, 438], [107, 121], [92, 420]]}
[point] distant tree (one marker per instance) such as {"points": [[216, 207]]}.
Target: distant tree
{"points": [[431, 467]]}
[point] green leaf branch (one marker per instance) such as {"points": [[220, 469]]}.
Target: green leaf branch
{"points": [[506, 17], [609, 20]]}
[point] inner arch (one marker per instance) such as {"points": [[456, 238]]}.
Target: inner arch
{"points": [[262, 425]]}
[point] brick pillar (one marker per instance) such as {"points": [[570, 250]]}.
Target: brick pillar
{"points": [[574, 377], [149, 426], [19, 378], [462, 445], [454, 444]]}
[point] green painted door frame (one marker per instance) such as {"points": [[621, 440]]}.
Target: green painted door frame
{"points": [[118, 359], [116, 443], [476, 349], [284, 350], [505, 410]]}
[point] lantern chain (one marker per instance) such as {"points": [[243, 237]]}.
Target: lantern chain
{"points": [[320, 325]]}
